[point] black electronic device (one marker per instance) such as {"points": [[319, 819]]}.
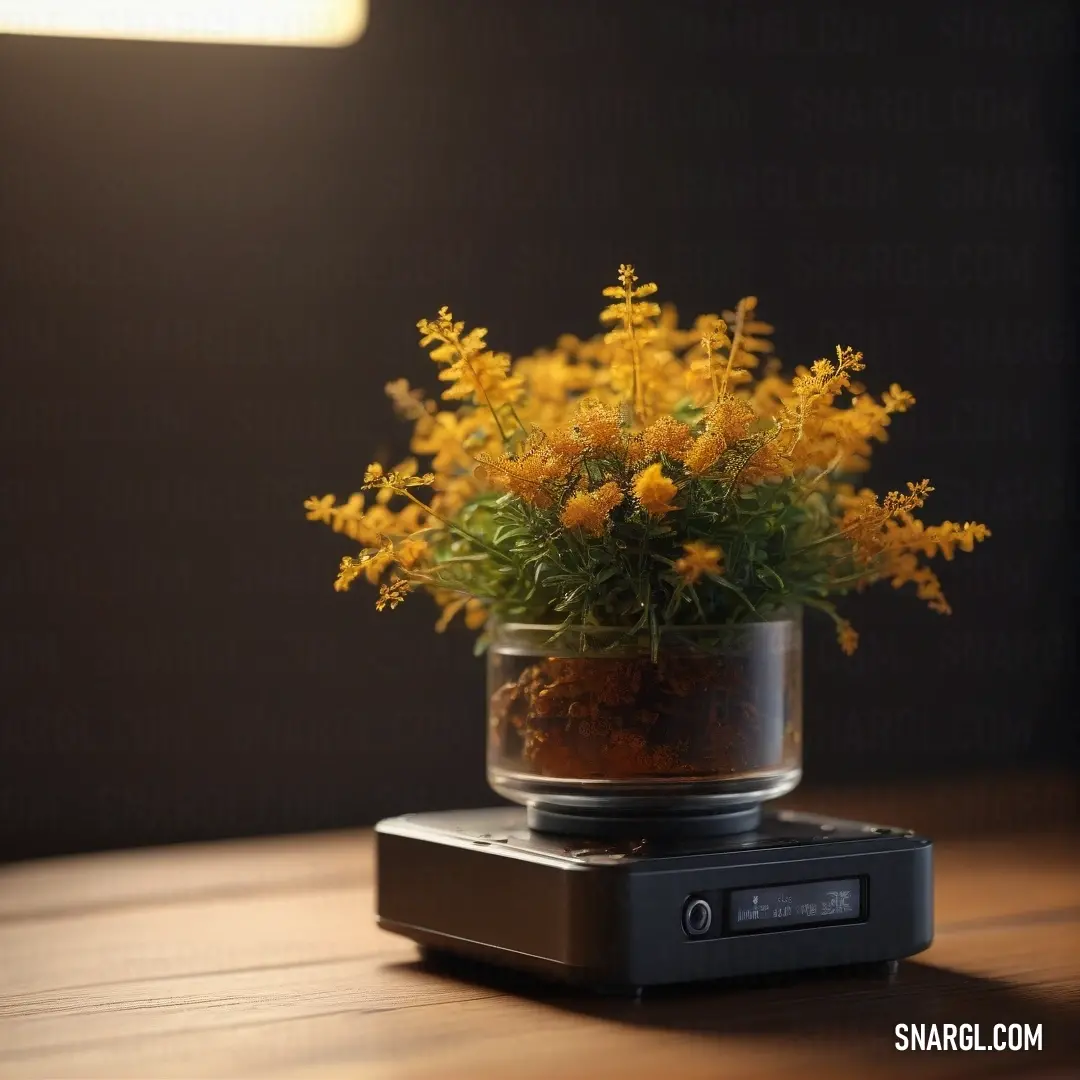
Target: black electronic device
{"points": [[796, 892]]}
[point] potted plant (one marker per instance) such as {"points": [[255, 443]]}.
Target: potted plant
{"points": [[634, 522]]}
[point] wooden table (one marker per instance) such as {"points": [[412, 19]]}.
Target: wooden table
{"points": [[261, 958]]}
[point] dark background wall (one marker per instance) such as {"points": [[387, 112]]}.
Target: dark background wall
{"points": [[214, 257]]}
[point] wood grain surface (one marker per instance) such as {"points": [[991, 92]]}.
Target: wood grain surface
{"points": [[260, 958]]}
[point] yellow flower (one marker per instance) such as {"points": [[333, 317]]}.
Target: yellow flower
{"points": [[703, 366], [348, 572], [564, 443], [484, 378], [704, 452], [475, 610], [869, 524], [897, 400], [475, 613], [348, 512], [530, 475], [451, 494], [410, 518], [654, 491], [817, 388], [895, 503], [390, 595], [848, 637], [590, 510], [408, 403], [635, 452], [909, 534], [320, 509], [597, 426], [371, 562], [665, 435], [402, 475], [552, 380], [700, 558], [410, 552], [453, 439], [635, 317], [475, 372], [378, 564], [730, 417], [903, 567], [371, 526], [767, 464], [948, 536], [397, 480]]}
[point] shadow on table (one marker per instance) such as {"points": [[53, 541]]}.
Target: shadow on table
{"points": [[859, 1007]]}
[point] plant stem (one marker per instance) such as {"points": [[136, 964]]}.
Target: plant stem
{"points": [[455, 341], [635, 353], [883, 517], [517, 419], [818, 542], [837, 458], [454, 527], [867, 577], [736, 343], [823, 605]]}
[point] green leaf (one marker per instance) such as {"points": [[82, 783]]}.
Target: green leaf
{"points": [[732, 587], [508, 532], [769, 578], [568, 598], [675, 601], [560, 630]]}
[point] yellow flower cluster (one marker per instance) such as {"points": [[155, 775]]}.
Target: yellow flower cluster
{"points": [[847, 636], [887, 532], [365, 526], [590, 510], [634, 318], [476, 374], [392, 593], [666, 435], [597, 427], [617, 431], [700, 559], [704, 452], [654, 491], [370, 563], [532, 475]]}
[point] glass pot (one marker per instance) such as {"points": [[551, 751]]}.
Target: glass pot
{"points": [[597, 738]]}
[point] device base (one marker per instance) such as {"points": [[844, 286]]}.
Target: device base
{"points": [[620, 826], [516, 979], [654, 910]]}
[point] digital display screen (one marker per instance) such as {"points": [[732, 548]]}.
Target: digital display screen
{"points": [[775, 906]]}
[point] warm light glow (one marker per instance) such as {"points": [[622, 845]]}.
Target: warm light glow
{"points": [[253, 22]]}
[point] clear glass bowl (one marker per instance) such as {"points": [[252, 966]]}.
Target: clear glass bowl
{"points": [[589, 724]]}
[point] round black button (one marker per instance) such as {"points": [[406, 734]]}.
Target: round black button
{"points": [[697, 917]]}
